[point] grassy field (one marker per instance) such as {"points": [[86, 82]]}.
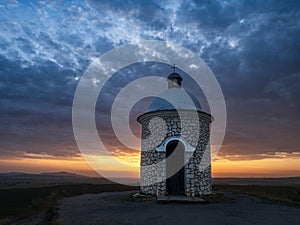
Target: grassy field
{"points": [[288, 195], [26, 201]]}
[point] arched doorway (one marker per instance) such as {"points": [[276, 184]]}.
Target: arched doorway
{"points": [[175, 168]]}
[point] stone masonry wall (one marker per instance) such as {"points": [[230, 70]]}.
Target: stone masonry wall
{"points": [[159, 126]]}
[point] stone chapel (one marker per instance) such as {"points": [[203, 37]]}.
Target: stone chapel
{"points": [[175, 152]]}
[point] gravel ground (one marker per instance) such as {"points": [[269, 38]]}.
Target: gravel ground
{"points": [[111, 209]]}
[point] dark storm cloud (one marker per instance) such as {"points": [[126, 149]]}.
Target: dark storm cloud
{"points": [[261, 82], [251, 46], [35, 103]]}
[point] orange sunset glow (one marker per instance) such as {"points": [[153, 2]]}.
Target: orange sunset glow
{"points": [[273, 167]]}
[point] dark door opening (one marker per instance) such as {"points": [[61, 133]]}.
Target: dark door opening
{"points": [[175, 168]]}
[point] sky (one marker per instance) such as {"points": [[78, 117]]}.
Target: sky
{"points": [[252, 47]]}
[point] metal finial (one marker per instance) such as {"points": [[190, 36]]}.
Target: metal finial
{"points": [[174, 67]]}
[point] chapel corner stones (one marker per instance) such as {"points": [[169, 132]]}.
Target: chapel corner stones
{"points": [[175, 156]]}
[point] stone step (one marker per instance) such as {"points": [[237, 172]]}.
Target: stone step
{"points": [[179, 199]]}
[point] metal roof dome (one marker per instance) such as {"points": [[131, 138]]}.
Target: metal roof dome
{"points": [[174, 98]]}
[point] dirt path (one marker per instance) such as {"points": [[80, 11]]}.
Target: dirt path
{"points": [[111, 209]]}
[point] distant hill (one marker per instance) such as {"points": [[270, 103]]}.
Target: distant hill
{"points": [[284, 181], [26, 179], [58, 178]]}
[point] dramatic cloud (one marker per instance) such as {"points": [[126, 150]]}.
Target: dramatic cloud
{"points": [[253, 47]]}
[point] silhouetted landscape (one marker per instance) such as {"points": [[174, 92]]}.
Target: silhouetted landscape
{"points": [[23, 195], [45, 179], [26, 179], [284, 181]]}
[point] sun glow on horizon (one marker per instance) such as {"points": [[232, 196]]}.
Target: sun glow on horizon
{"points": [[128, 166], [267, 167]]}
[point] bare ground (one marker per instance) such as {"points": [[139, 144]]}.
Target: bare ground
{"points": [[112, 209]]}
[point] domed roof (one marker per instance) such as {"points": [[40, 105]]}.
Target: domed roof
{"points": [[174, 98], [174, 76]]}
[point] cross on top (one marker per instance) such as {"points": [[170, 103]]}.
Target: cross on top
{"points": [[174, 67]]}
